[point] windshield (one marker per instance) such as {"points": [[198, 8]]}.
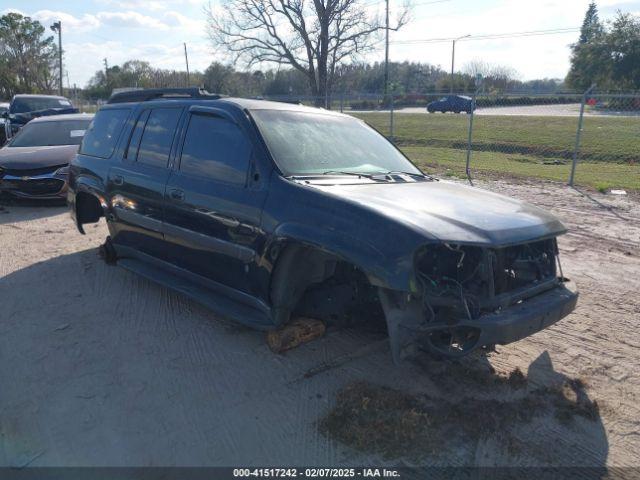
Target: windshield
{"points": [[33, 104], [313, 143], [59, 132]]}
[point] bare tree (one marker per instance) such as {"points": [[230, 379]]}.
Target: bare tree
{"points": [[496, 77], [312, 36]]}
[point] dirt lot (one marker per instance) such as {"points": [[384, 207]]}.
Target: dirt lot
{"points": [[101, 367]]}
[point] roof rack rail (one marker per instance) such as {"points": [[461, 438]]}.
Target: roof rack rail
{"points": [[160, 93]]}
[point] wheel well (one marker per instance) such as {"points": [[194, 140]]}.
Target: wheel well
{"points": [[313, 283], [88, 208]]}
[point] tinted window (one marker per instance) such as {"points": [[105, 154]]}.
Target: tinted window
{"points": [[215, 148], [157, 137], [37, 134], [101, 136], [134, 142], [33, 104]]}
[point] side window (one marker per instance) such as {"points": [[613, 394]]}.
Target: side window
{"points": [[215, 148], [157, 136], [134, 141], [102, 135]]}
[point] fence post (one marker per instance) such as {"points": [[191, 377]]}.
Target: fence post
{"points": [[469, 143], [342, 102], [391, 119], [576, 149]]}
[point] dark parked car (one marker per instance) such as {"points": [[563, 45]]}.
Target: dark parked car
{"points": [[35, 162], [24, 108], [267, 211], [451, 103]]}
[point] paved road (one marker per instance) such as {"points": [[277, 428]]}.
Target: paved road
{"points": [[565, 110]]}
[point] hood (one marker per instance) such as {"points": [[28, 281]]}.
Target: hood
{"points": [[26, 158], [451, 212]]}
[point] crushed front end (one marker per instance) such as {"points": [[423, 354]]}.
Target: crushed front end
{"points": [[465, 297]]}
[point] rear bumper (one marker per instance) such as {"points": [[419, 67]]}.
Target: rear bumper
{"points": [[527, 317]]}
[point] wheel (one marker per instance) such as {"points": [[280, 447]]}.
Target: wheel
{"points": [[108, 252]]}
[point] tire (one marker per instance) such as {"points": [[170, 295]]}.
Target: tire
{"points": [[108, 252]]}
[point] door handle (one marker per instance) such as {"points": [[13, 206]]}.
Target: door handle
{"points": [[118, 180], [177, 194]]}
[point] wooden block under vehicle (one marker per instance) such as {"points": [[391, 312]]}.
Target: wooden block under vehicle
{"points": [[299, 331]]}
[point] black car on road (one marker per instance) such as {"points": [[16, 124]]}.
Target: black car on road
{"points": [[451, 103], [267, 211], [35, 162]]}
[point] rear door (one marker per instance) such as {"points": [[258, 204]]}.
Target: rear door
{"points": [[137, 183], [212, 212]]}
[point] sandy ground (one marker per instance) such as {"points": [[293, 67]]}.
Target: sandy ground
{"points": [[101, 367]]}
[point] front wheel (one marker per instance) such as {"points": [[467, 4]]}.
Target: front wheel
{"points": [[108, 252]]}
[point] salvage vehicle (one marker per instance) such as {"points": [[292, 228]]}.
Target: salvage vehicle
{"points": [[35, 162], [268, 211], [25, 107]]}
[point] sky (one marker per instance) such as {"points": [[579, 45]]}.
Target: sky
{"points": [[155, 30]]}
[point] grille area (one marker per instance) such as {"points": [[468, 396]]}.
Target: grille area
{"points": [[463, 281], [520, 266], [44, 186]]}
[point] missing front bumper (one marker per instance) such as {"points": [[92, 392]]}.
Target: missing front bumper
{"points": [[407, 328]]}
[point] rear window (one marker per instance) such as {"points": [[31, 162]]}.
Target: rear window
{"points": [[157, 137], [33, 104], [54, 133], [102, 135]]}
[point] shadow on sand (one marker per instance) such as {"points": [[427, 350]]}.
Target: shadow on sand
{"points": [[13, 211]]}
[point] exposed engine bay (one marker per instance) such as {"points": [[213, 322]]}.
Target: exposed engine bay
{"points": [[462, 298]]}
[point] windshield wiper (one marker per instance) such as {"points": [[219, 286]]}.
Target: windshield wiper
{"points": [[340, 172]]}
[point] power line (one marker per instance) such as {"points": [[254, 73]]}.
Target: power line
{"points": [[491, 36]]}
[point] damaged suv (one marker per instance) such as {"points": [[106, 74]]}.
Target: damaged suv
{"points": [[267, 211]]}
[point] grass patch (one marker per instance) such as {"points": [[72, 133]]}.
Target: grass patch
{"points": [[538, 147], [382, 420]]}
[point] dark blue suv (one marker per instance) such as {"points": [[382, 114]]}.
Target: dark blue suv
{"points": [[267, 211], [451, 103]]}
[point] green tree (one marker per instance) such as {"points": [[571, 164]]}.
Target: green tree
{"points": [[623, 46], [588, 59], [27, 57]]}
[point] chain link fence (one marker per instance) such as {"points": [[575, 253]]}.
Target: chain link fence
{"points": [[590, 138]]}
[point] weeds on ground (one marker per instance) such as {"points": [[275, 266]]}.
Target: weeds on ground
{"points": [[382, 420]]}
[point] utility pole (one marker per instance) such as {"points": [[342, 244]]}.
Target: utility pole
{"points": [[106, 69], [186, 60], [57, 27], [386, 52], [453, 57]]}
